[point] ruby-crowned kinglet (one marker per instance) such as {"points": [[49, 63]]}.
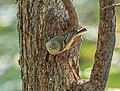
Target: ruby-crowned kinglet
{"points": [[60, 43]]}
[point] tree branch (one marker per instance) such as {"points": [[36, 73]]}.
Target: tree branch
{"points": [[109, 6], [105, 45], [73, 19]]}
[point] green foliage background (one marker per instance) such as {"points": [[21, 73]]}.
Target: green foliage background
{"points": [[88, 13]]}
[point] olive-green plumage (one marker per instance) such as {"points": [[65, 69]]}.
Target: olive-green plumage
{"points": [[60, 43]]}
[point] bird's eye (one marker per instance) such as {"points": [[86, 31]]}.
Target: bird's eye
{"points": [[53, 46], [50, 47]]}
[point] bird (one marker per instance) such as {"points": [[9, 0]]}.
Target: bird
{"points": [[61, 43]]}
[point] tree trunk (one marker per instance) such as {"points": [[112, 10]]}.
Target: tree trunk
{"points": [[40, 20]]}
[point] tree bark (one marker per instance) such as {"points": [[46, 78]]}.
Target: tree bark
{"points": [[40, 20], [105, 45], [104, 51]]}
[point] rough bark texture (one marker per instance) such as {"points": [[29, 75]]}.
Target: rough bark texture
{"points": [[40, 20], [104, 51], [105, 45]]}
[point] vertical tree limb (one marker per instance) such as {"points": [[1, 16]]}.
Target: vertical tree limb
{"points": [[73, 19], [104, 51], [105, 45]]}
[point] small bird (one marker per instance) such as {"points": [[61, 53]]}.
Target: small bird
{"points": [[61, 43]]}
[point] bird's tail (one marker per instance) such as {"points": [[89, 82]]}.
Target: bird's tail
{"points": [[80, 32]]}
